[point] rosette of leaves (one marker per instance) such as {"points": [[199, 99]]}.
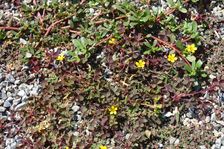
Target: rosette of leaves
{"points": [[82, 50], [195, 70]]}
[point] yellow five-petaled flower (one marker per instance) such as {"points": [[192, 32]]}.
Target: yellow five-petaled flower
{"points": [[60, 57], [103, 147], [112, 41], [172, 58], [113, 110], [140, 64], [191, 48]]}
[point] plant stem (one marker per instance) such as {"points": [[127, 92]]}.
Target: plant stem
{"points": [[9, 28]]}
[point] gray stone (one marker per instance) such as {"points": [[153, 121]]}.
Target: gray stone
{"points": [[213, 117], [35, 90], [76, 133], [24, 98], [7, 104], [79, 117], [168, 114], [213, 147], [2, 109], [10, 78], [218, 143], [17, 117], [3, 95], [9, 99], [3, 117], [172, 140], [16, 101], [9, 94], [28, 55], [17, 82], [9, 141], [26, 2], [21, 93], [207, 119], [177, 141], [189, 115], [75, 108], [1, 77], [25, 67], [127, 136], [1, 102], [23, 41], [21, 105], [160, 145], [202, 147], [24, 87], [30, 86], [13, 145], [222, 140]]}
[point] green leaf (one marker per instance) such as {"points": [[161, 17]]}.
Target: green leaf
{"points": [[193, 65], [191, 58], [2, 35], [188, 68], [78, 44], [180, 45], [147, 44], [199, 64], [194, 26], [183, 10], [204, 75], [170, 3], [145, 19], [120, 9]]}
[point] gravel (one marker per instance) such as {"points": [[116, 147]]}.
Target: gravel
{"points": [[14, 95]]}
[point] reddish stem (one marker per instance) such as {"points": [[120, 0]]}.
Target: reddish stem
{"points": [[75, 32], [103, 40], [54, 24], [9, 28], [211, 88]]}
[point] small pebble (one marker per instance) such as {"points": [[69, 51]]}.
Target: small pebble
{"points": [[75, 108], [172, 140], [10, 78], [21, 93], [177, 141], [7, 104], [213, 117], [2, 109]]}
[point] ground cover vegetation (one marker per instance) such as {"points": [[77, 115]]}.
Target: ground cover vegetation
{"points": [[125, 64]]}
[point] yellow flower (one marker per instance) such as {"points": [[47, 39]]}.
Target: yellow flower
{"points": [[60, 57], [156, 99], [113, 110], [66, 147], [191, 48], [103, 147], [112, 41], [172, 58], [140, 64], [43, 125]]}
